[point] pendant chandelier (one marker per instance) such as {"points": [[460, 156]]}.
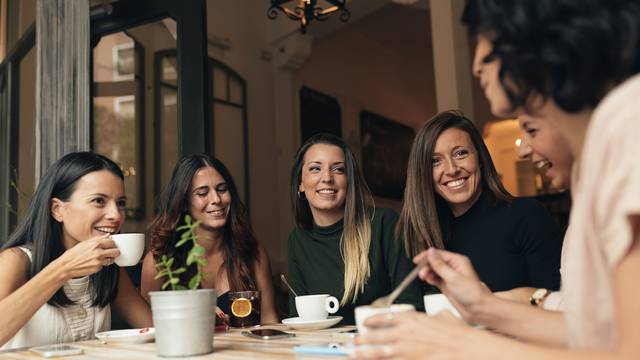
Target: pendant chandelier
{"points": [[306, 11]]}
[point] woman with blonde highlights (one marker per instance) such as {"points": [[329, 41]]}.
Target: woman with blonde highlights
{"points": [[337, 226]]}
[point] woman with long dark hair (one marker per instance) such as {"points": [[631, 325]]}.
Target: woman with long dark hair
{"points": [[57, 277], [342, 245], [202, 187], [573, 65], [454, 200]]}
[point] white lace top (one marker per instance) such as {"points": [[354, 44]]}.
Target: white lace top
{"points": [[52, 325]]}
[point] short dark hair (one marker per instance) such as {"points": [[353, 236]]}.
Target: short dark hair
{"points": [[423, 221], [572, 51], [42, 234]]}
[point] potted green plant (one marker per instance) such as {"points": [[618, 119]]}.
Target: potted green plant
{"points": [[183, 315]]}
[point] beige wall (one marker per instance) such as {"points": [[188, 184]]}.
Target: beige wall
{"points": [[386, 72], [245, 27], [367, 67]]}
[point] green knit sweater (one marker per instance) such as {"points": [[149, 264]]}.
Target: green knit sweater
{"points": [[316, 266]]}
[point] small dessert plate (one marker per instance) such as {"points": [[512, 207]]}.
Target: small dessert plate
{"points": [[299, 324], [133, 336]]}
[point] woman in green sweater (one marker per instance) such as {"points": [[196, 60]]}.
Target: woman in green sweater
{"points": [[336, 226]]}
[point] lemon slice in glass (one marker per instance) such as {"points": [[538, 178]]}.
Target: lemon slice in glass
{"points": [[241, 307]]}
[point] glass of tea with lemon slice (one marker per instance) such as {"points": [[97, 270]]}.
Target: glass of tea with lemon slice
{"points": [[245, 308]]}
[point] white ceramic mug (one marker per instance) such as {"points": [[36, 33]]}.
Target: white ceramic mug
{"points": [[365, 312], [316, 307], [435, 303], [131, 247]]}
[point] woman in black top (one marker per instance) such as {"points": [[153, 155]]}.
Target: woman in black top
{"points": [[202, 187], [454, 200]]}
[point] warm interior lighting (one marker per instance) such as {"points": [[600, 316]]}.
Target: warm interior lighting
{"points": [[306, 11], [518, 142]]}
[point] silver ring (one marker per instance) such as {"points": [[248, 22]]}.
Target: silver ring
{"points": [[387, 350]]}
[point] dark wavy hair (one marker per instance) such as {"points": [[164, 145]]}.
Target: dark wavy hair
{"points": [[42, 234], [572, 51], [425, 217], [239, 246]]}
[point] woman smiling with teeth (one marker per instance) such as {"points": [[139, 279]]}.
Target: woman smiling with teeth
{"points": [[202, 187], [57, 277], [337, 227], [454, 200]]}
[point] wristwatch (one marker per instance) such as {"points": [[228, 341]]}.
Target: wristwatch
{"points": [[538, 296]]}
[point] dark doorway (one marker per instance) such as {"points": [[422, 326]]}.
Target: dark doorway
{"points": [[319, 113]]}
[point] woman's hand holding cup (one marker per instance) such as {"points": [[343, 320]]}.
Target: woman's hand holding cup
{"points": [[454, 275], [88, 257]]}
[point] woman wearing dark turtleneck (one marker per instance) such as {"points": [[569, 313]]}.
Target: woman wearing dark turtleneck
{"points": [[342, 246], [454, 200], [316, 267]]}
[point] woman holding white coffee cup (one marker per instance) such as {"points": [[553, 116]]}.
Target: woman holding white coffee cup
{"points": [[202, 187], [342, 245], [57, 278]]}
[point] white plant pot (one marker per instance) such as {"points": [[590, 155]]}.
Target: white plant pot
{"points": [[184, 321]]}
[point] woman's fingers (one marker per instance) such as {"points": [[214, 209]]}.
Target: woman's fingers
{"points": [[110, 253], [439, 266], [420, 258], [106, 242]]}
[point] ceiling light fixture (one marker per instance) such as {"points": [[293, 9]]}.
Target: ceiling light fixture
{"points": [[306, 11]]}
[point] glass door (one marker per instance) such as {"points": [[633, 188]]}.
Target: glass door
{"points": [[126, 39]]}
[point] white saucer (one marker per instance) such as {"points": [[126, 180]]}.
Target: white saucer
{"points": [[299, 324], [134, 336]]}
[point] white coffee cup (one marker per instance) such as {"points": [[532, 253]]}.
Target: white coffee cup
{"points": [[316, 307], [366, 311], [436, 303], [131, 247]]}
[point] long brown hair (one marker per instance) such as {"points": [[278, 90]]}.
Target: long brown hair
{"points": [[356, 236], [422, 221], [239, 245]]}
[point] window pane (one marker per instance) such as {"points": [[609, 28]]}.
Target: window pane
{"points": [[169, 72], [236, 91], [220, 84], [168, 134], [114, 58], [229, 143], [116, 134]]}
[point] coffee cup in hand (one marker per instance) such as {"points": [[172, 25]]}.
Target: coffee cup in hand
{"points": [[436, 303], [131, 247], [316, 307], [365, 312]]}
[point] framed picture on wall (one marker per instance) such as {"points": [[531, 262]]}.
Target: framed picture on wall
{"points": [[385, 150]]}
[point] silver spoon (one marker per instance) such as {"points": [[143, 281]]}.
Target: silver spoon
{"points": [[386, 301], [284, 280]]}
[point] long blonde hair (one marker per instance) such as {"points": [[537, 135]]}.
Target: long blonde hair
{"points": [[356, 236]]}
